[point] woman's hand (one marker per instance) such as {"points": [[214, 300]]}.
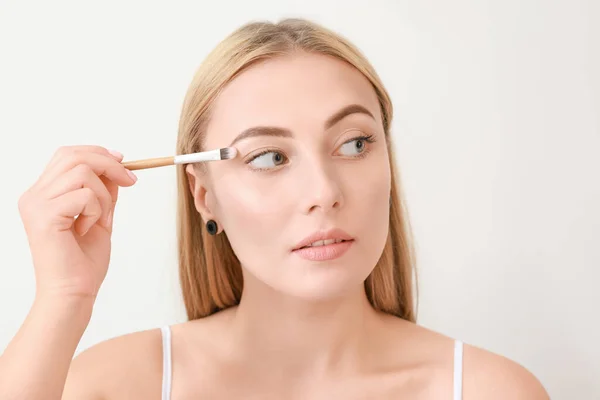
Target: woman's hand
{"points": [[67, 216]]}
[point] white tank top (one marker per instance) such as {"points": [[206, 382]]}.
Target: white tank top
{"points": [[168, 368]]}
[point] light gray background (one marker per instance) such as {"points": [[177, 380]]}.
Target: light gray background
{"points": [[497, 130]]}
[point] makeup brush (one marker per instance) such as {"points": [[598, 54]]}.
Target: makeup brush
{"points": [[225, 153]]}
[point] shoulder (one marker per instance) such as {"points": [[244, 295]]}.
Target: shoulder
{"points": [[486, 375], [492, 376], [128, 365]]}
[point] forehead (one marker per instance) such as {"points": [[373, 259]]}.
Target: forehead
{"points": [[299, 92]]}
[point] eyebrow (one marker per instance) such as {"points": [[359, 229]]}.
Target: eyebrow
{"points": [[275, 131]]}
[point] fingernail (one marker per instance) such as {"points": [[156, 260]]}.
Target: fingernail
{"points": [[131, 175], [116, 154]]}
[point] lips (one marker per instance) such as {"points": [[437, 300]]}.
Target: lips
{"points": [[323, 238], [319, 243]]}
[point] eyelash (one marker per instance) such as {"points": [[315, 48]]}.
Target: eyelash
{"points": [[366, 138]]}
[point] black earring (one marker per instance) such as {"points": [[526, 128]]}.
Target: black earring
{"points": [[211, 227]]}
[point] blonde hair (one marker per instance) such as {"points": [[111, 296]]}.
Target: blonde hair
{"points": [[210, 273]]}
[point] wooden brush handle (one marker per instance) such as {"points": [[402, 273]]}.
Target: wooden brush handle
{"points": [[149, 163]]}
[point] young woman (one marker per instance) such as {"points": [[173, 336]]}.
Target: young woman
{"points": [[295, 257]]}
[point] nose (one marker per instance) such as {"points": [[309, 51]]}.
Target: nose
{"points": [[321, 189]]}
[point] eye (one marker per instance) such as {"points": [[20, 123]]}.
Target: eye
{"points": [[267, 159], [356, 146]]}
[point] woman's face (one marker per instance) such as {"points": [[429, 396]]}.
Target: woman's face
{"points": [[312, 157]]}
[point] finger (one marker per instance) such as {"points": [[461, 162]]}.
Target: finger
{"points": [[113, 190], [100, 164], [82, 203], [63, 151], [82, 176], [70, 157]]}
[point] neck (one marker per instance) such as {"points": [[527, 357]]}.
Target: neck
{"points": [[300, 338]]}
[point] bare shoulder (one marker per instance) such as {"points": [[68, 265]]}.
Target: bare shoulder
{"points": [[128, 366], [492, 376], [486, 375]]}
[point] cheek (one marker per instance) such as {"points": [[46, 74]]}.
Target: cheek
{"points": [[254, 218], [368, 204], [369, 187], [250, 201]]}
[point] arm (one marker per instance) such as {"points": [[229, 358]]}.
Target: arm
{"points": [[35, 363]]}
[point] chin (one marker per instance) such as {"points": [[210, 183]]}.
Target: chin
{"points": [[325, 281], [289, 275]]}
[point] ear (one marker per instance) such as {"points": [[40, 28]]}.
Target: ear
{"points": [[197, 182]]}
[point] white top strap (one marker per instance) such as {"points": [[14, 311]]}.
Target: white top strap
{"points": [[167, 366], [458, 369]]}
